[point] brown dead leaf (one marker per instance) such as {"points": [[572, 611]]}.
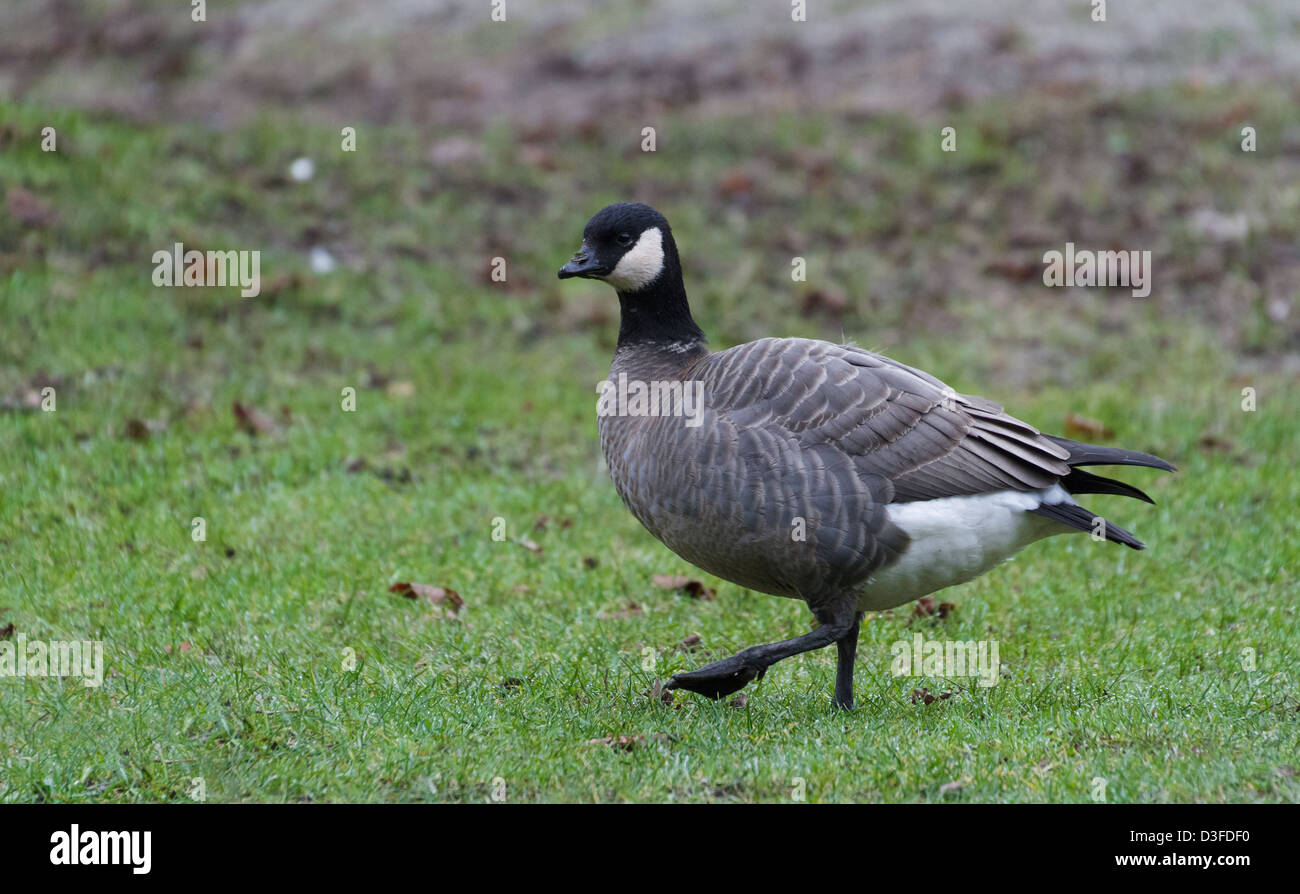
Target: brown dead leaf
{"points": [[142, 429], [632, 611], [437, 596], [7, 630], [281, 283], [924, 695], [738, 702], [1216, 444], [252, 420], [1016, 271], [1085, 427], [30, 211], [946, 609], [541, 523], [826, 302], [590, 562], [659, 693], [734, 183], [688, 585], [924, 607], [691, 643]]}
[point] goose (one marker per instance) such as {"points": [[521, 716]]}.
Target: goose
{"points": [[811, 470]]}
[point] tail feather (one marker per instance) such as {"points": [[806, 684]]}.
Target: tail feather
{"points": [[1075, 516], [1081, 482], [1093, 455]]}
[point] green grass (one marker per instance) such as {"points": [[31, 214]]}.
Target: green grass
{"points": [[228, 660]]}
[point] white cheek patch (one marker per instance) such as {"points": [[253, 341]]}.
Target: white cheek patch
{"points": [[641, 265]]}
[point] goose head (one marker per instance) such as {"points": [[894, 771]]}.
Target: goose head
{"points": [[630, 246], [627, 245]]}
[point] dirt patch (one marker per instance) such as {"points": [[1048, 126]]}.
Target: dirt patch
{"points": [[560, 65]]}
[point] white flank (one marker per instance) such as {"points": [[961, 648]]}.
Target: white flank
{"points": [[641, 265], [956, 539]]}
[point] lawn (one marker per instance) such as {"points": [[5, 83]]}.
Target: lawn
{"points": [[270, 661]]}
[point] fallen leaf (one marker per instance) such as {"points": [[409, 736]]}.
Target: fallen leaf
{"points": [[1216, 444], [946, 609], [8, 631], [438, 596], [738, 702], [1086, 427], [924, 695], [823, 301], [691, 587], [141, 429], [590, 561], [252, 420], [659, 693], [736, 182], [1016, 271], [26, 208], [691, 643], [632, 611], [136, 430], [924, 607], [541, 523]]}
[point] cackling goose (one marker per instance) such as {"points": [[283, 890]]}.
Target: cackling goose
{"points": [[812, 470]]}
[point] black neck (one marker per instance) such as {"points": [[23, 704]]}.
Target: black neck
{"points": [[658, 313]]}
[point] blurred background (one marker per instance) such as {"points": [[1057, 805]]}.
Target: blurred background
{"points": [[479, 139]]}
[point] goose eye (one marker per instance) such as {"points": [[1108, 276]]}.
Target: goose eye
{"points": [[623, 238]]}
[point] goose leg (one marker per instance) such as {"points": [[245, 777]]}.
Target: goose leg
{"points": [[847, 646], [731, 674]]}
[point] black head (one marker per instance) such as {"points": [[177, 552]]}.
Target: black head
{"points": [[628, 245]]}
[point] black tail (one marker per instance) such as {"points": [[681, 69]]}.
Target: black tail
{"points": [[1092, 455], [1081, 482], [1077, 517]]}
